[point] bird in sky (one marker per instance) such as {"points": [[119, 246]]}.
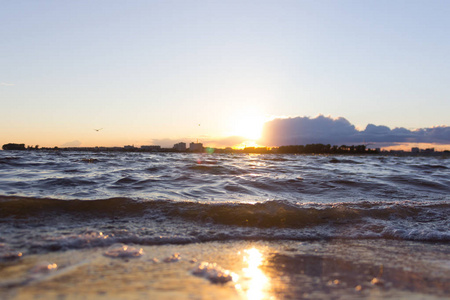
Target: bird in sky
{"points": [[98, 129]]}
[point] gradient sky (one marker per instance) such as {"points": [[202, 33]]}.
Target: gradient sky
{"points": [[152, 70]]}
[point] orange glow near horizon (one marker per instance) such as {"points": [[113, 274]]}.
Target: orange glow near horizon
{"points": [[407, 147], [247, 144], [242, 126]]}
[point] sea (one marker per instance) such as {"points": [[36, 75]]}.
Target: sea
{"points": [[56, 203]]}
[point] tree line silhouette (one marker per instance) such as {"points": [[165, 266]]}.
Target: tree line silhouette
{"points": [[325, 149], [311, 149]]}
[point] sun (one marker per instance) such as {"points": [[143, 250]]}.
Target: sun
{"points": [[248, 125]]}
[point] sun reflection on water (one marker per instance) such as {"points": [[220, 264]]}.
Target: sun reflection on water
{"points": [[258, 282]]}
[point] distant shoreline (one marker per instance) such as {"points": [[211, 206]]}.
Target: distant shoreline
{"points": [[309, 149]]}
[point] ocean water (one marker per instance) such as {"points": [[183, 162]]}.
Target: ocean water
{"points": [[53, 202]]}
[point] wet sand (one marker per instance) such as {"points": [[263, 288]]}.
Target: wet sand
{"points": [[336, 269]]}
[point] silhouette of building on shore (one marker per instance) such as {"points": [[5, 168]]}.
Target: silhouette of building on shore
{"points": [[180, 147], [196, 147]]}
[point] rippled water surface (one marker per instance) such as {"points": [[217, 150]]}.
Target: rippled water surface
{"points": [[63, 200], [217, 178]]}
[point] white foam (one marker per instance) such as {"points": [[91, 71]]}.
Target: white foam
{"points": [[123, 251], [174, 258], [214, 273]]}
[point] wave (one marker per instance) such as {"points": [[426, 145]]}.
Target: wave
{"points": [[344, 161], [276, 213], [407, 220]]}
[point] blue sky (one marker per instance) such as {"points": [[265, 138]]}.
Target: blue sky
{"points": [[153, 70]]}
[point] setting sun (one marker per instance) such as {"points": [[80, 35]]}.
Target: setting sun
{"points": [[248, 125]]}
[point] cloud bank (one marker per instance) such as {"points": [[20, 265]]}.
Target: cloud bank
{"points": [[339, 131]]}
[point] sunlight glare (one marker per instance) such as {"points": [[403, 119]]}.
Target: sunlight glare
{"points": [[248, 124], [246, 144], [258, 281]]}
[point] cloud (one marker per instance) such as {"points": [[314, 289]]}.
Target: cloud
{"points": [[6, 84], [339, 131], [75, 143], [305, 130]]}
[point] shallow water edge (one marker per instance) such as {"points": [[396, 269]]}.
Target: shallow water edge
{"points": [[337, 269]]}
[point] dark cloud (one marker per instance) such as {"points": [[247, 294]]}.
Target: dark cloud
{"points": [[326, 130]]}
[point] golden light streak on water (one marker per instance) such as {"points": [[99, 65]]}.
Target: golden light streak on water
{"points": [[258, 282]]}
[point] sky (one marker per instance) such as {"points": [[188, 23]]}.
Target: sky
{"points": [[148, 72]]}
